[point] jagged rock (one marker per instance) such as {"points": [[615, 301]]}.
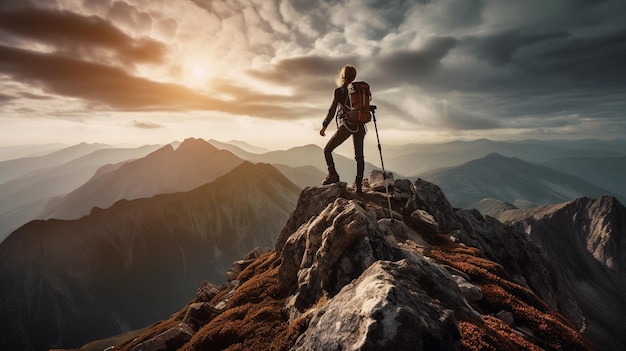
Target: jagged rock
{"points": [[430, 198], [402, 190], [506, 317], [378, 181], [206, 291], [170, 339], [239, 265], [199, 313], [310, 203], [424, 222], [311, 254], [386, 308], [470, 291], [399, 231]]}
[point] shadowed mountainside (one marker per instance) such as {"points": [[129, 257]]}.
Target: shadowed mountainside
{"points": [[609, 172], [585, 240], [124, 267], [342, 275]]}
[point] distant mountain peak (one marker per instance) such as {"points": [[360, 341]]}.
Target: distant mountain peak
{"points": [[195, 144]]}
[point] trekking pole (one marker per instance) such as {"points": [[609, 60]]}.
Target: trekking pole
{"points": [[382, 163]]}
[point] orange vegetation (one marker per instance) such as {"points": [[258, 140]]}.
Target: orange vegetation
{"points": [[252, 319], [536, 326]]}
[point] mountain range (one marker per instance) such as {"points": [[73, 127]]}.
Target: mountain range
{"points": [[66, 282], [23, 198], [178, 214], [344, 275], [167, 170], [512, 180]]}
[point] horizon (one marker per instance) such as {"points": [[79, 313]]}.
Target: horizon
{"points": [[263, 72]]}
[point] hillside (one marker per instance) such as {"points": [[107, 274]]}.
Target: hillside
{"points": [[342, 275], [124, 267], [509, 179], [608, 172]]}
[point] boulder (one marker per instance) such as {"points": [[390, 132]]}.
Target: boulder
{"points": [[386, 308]]}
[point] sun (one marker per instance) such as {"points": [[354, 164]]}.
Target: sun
{"points": [[197, 74]]}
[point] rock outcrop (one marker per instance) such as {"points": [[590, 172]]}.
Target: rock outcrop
{"points": [[347, 275]]}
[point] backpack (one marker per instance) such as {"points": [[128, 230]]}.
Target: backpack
{"points": [[358, 108]]}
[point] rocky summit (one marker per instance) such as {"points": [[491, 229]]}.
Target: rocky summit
{"points": [[348, 274]]}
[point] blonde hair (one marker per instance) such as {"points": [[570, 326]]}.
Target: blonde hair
{"points": [[346, 75]]}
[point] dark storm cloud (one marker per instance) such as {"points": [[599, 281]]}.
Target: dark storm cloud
{"points": [[410, 66], [77, 35]]}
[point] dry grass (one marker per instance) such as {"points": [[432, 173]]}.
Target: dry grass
{"points": [[550, 330], [252, 320]]}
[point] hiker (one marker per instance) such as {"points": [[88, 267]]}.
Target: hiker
{"points": [[345, 128]]}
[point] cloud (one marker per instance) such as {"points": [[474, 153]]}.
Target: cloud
{"points": [[146, 125], [113, 88], [76, 35], [438, 64]]}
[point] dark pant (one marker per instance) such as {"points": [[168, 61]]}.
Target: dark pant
{"points": [[338, 138]]}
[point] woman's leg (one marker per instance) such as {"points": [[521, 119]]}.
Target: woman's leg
{"points": [[358, 139], [339, 137]]}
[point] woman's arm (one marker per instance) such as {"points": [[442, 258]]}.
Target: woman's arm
{"points": [[337, 96]]}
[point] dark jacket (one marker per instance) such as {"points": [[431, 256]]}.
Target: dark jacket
{"points": [[339, 97]]}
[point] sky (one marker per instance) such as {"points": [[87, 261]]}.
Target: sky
{"points": [[262, 71]]}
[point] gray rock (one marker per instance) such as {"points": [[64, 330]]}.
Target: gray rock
{"points": [[378, 180], [470, 291], [386, 308], [170, 339]]}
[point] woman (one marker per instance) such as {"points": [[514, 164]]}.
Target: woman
{"points": [[345, 129]]}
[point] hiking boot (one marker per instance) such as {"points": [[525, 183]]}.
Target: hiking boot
{"points": [[331, 178]]}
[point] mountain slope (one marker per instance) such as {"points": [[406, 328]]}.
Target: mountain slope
{"points": [[413, 159], [22, 199], [343, 276], [608, 172], [585, 239], [509, 179], [126, 266], [193, 163]]}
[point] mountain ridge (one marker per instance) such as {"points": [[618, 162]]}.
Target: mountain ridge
{"points": [[510, 179], [166, 170], [124, 266], [341, 264]]}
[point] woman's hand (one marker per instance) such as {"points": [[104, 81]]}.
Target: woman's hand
{"points": [[323, 131]]}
